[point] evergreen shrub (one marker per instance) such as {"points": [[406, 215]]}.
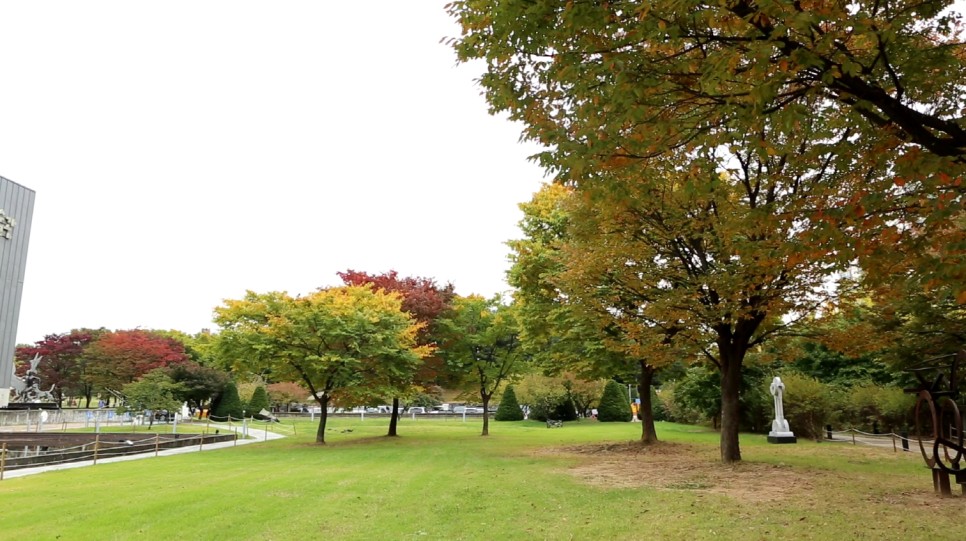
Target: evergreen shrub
{"points": [[614, 406], [509, 408], [259, 401], [229, 404]]}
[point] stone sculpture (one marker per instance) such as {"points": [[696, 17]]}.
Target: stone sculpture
{"points": [[780, 432]]}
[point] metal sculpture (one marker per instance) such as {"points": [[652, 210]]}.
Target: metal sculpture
{"points": [[28, 388], [939, 422]]}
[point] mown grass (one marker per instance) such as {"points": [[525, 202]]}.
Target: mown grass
{"points": [[440, 480]]}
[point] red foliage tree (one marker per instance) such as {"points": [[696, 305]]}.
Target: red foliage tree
{"points": [[422, 297], [63, 362], [122, 357], [425, 300]]}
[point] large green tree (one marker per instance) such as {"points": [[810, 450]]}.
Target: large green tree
{"points": [[200, 383], [569, 319], [329, 340], [153, 391], [480, 342]]}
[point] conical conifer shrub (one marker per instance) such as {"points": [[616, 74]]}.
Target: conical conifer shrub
{"points": [[229, 404], [614, 406], [509, 409], [259, 401]]}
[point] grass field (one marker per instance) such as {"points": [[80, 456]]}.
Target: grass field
{"points": [[441, 480]]}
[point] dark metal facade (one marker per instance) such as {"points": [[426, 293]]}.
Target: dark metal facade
{"points": [[17, 205]]}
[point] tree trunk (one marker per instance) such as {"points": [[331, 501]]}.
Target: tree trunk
{"points": [[323, 417], [730, 405], [486, 413], [646, 413], [394, 418]]}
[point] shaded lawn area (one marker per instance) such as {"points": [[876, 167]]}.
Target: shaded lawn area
{"points": [[441, 480]]}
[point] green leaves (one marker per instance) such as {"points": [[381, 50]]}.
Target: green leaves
{"points": [[480, 340], [329, 339]]}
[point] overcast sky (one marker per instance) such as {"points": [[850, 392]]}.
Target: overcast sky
{"points": [[183, 152]]}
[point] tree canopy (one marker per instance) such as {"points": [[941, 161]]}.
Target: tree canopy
{"points": [[424, 300], [121, 357], [733, 157], [480, 341], [329, 340]]}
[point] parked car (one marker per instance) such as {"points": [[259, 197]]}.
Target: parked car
{"points": [[417, 409]]}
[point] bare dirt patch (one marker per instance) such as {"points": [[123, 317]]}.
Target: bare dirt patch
{"points": [[671, 466], [676, 466]]}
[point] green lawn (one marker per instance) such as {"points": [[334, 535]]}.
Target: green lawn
{"points": [[440, 480]]}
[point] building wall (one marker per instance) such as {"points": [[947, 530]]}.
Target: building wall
{"points": [[17, 203]]}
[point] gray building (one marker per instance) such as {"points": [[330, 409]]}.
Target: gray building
{"points": [[16, 212]]}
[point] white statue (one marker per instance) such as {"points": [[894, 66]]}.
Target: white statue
{"points": [[780, 432]]}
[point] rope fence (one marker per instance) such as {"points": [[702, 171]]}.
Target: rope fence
{"points": [[899, 442], [103, 446]]}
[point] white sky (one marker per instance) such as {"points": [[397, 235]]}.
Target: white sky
{"points": [[185, 151]]}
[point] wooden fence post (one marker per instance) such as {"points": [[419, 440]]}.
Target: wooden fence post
{"points": [[157, 443], [3, 459], [97, 444]]}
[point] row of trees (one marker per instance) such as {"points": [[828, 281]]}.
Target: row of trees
{"points": [[379, 337], [85, 363], [613, 405], [140, 369], [720, 166], [357, 345]]}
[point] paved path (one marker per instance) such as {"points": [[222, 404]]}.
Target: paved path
{"points": [[873, 440], [254, 436]]}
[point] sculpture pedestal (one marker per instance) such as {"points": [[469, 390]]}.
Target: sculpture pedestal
{"points": [[21, 406], [782, 437]]}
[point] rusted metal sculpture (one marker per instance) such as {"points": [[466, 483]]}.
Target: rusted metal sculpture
{"points": [[939, 422]]}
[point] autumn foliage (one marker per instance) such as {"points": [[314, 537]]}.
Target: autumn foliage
{"points": [[122, 357], [62, 365]]}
